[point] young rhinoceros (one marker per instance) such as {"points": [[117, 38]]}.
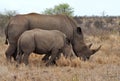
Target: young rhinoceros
{"points": [[50, 42]]}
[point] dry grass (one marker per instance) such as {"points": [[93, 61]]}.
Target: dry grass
{"points": [[103, 66]]}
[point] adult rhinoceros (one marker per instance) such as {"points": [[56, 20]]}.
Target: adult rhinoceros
{"points": [[20, 23]]}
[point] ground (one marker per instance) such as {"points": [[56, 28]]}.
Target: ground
{"points": [[102, 66]]}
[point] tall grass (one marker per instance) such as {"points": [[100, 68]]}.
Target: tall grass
{"points": [[102, 66]]}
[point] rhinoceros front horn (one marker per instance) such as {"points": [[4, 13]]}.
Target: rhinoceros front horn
{"points": [[95, 50]]}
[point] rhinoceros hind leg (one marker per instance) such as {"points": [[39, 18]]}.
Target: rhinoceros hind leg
{"points": [[25, 58], [11, 52]]}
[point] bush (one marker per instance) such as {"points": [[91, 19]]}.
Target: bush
{"points": [[4, 18]]}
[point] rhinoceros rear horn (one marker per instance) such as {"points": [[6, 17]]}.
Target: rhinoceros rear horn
{"points": [[89, 46], [95, 50]]}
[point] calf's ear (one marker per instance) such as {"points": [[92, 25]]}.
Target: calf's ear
{"points": [[79, 31], [67, 41]]}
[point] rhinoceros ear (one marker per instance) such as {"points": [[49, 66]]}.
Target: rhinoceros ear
{"points": [[79, 31]]}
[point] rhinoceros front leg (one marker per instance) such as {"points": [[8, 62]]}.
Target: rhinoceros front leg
{"points": [[54, 54]]}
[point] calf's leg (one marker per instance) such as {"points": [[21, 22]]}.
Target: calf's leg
{"points": [[25, 58], [19, 57]]}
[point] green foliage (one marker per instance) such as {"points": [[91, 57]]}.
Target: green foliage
{"points": [[60, 9], [4, 17], [9, 13], [48, 11]]}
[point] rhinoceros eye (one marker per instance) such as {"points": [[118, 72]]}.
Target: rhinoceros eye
{"points": [[88, 57], [79, 31]]}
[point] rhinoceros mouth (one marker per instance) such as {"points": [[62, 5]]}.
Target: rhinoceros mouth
{"points": [[85, 55]]}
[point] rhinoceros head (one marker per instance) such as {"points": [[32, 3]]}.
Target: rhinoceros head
{"points": [[80, 48]]}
